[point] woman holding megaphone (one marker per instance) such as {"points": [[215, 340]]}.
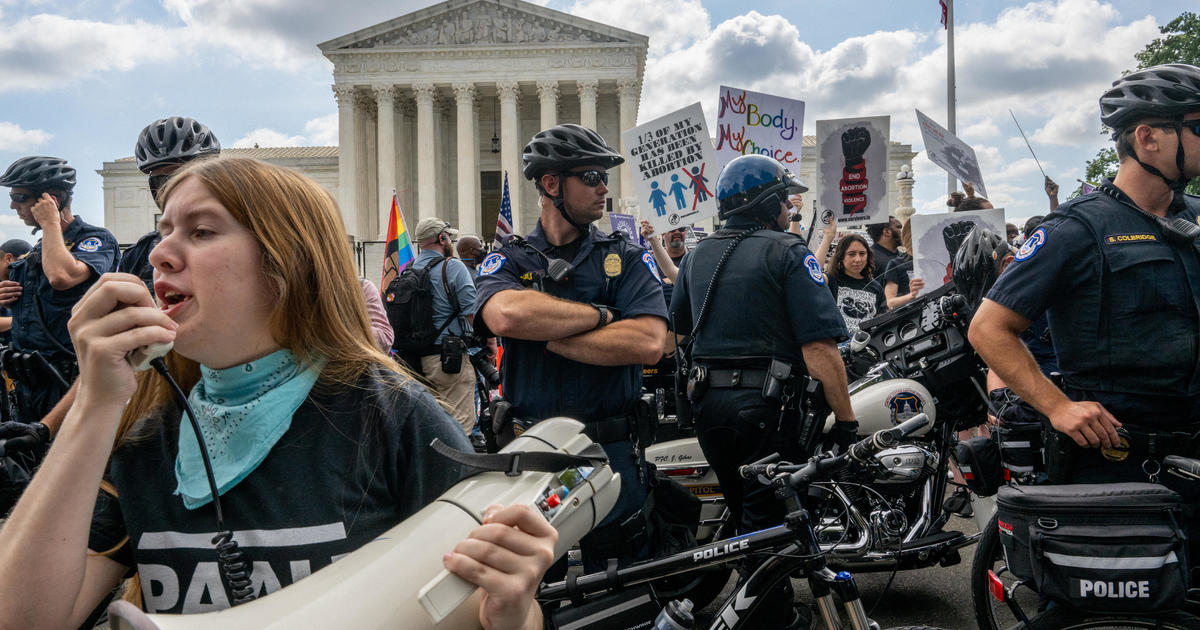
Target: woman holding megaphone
{"points": [[317, 440]]}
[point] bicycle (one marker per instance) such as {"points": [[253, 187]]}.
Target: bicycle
{"points": [[793, 547], [1004, 601]]}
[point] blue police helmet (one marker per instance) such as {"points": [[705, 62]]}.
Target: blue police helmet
{"points": [[754, 185]]}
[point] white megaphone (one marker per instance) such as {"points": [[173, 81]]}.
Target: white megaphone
{"points": [[397, 580]]}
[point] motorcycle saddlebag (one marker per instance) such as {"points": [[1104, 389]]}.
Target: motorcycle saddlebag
{"points": [[1103, 548], [979, 461]]}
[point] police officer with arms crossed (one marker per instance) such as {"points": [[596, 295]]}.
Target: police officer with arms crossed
{"points": [[1121, 285], [45, 284], [770, 320], [574, 346]]}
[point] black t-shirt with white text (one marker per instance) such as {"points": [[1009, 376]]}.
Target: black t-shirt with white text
{"points": [[857, 298], [354, 462]]}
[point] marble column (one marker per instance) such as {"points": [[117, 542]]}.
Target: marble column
{"points": [[628, 93], [510, 146], [904, 184], [385, 104], [347, 151], [468, 152], [365, 213], [588, 90], [404, 152], [548, 98], [426, 152]]}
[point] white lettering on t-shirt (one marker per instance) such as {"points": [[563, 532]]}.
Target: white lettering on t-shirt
{"points": [[205, 593], [160, 586], [263, 578]]}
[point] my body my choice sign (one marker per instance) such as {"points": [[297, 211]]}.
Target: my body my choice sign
{"points": [[675, 167], [751, 123]]}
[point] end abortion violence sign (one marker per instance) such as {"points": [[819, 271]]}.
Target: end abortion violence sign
{"points": [[675, 168], [751, 123]]}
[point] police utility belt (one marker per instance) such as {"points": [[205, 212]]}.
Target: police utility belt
{"points": [[772, 380]]}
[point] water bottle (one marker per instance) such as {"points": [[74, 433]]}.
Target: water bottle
{"points": [[676, 615]]}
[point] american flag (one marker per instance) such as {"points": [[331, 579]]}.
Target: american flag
{"points": [[504, 222], [945, 17]]}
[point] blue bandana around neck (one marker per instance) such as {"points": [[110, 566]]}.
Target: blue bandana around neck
{"points": [[242, 411]]}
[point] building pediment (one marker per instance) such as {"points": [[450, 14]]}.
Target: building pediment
{"points": [[459, 23]]}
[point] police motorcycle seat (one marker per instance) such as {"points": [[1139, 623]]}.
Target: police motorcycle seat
{"points": [[397, 580]]}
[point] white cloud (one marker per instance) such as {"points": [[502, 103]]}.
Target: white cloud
{"points": [[14, 138], [322, 131], [264, 137], [982, 129], [1068, 125], [46, 51], [675, 24]]}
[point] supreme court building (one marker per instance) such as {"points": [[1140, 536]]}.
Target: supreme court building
{"points": [[438, 104]]}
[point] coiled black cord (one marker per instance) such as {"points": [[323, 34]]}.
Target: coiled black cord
{"points": [[229, 557]]}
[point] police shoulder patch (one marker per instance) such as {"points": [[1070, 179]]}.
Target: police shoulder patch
{"points": [[491, 264], [1031, 245], [814, 269], [648, 258], [89, 244]]}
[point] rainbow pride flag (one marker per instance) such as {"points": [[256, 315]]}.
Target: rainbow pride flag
{"points": [[398, 250]]}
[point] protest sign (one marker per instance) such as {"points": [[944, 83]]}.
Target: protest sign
{"points": [[675, 168], [852, 178], [627, 225], [750, 123], [936, 238], [953, 155]]}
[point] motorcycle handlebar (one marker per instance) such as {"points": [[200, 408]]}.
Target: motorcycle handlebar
{"points": [[799, 475]]}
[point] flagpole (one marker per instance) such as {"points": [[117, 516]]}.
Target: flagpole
{"points": [[951, 184]]}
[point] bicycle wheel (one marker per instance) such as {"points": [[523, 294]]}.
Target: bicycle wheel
{"points": [[1062, 619], [989, 555]]}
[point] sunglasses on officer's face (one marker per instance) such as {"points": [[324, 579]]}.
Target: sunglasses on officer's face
{"points": [[1192, 126], [591, 178], [20, 197]]}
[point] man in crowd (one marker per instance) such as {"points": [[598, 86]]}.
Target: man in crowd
{"points": [[1119, 282], [771, 322], [447, 369], [886, 242], [574, 342], [470, 251], [44, 285]]}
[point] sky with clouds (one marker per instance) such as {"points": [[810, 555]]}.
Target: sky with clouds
{"points": [[80, 79]]}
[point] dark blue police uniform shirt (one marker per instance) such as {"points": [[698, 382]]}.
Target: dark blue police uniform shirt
{"points": [[93, 246], [609, 270], [771, 299], [1058, 269]]}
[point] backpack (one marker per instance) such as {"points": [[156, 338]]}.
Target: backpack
{"points": [[408, 301]]}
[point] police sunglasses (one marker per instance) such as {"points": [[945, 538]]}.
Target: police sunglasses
{"points": [[20, 197], [591, 178], [1191, 125], [156, 182]]}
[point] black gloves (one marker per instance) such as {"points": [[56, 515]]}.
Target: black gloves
{"points": [[841, 436], [9, 430]]}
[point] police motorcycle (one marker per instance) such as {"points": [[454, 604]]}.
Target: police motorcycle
{"points": [[621, 597], [397, 580], [889, 515]]}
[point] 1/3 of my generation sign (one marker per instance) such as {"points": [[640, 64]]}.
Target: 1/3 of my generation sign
{"points": [[675, 168]]}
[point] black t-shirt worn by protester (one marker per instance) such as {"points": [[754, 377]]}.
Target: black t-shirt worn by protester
{"points": [[857, 298]]}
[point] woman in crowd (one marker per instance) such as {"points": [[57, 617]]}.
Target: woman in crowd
{"points": [[319, 441], [858, 296], [899, 287]]}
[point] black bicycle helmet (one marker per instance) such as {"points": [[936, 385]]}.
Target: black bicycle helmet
{"points": [[564, 147], [977, 264], [755, 185], [39, 173], [173, 140], [1166, 91]]}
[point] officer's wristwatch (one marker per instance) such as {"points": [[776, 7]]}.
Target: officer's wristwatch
{"points": [[603, 315], [795, 217]]}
